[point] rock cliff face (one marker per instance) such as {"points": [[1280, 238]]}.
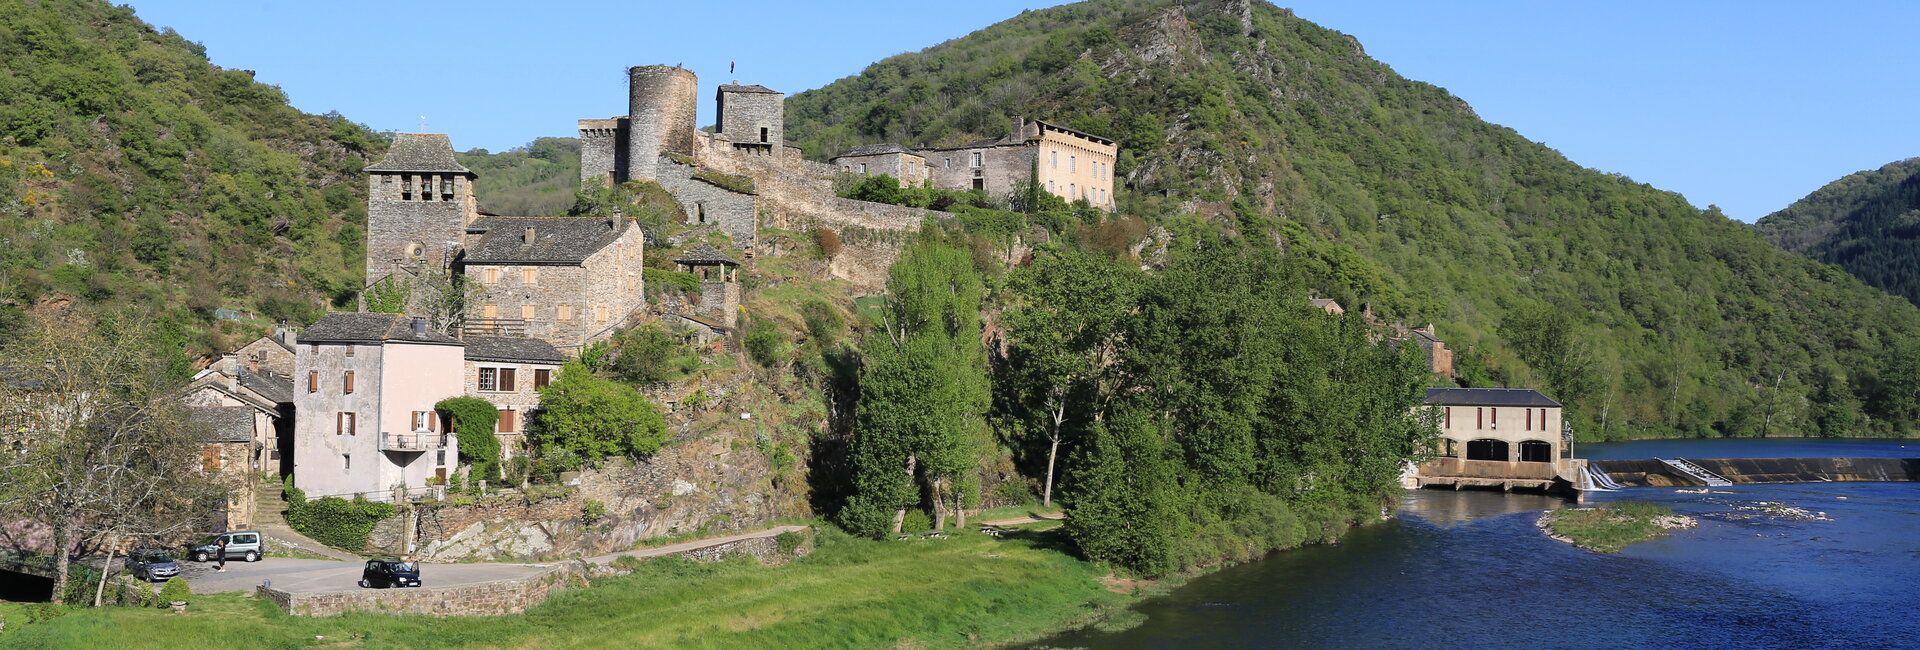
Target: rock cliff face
{"points": [[712, 482]]}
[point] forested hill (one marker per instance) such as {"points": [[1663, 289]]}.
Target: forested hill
{"points": [[1868, 223], [1649, 316], [134, 174]]}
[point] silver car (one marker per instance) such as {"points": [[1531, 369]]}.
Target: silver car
{"points": [[152, 565], [243, 544]]}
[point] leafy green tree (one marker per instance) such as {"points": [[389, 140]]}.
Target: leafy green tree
{"points": [[388, 296], [1065, 339], [1549, 340], [923, 392], [596, 417], [474, 421], [649, 354], [1124, 505]]}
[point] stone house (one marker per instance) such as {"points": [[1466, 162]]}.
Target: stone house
{"points": [[365, 390], [230, 455], [890, 159], [566, 280], [1070, 164], [509, 372], [1328, 305], [258, 375], [1439, 358]]}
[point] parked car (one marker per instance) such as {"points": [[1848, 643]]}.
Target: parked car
{"points": [[244, 544], [152, 565], [382, 574]]}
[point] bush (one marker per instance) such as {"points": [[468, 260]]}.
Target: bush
{"points": [[788, 542], [916, 521], [597, 417], [335, 521], [765, 343], [828, 241], [592, 511], [175, 591], [475, 420]]}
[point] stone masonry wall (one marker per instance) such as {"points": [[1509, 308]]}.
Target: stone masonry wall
{"points": [[495, 598], [603, 150], [742, 115], [597, 294], [700, 483], [1001, 166], [399, 228], [661, 104], [705, 203]]}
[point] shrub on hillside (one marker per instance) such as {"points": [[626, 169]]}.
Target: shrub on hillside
{"points": [[175, 591], [474, 420]]}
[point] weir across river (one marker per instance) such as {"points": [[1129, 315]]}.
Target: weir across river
{"points": [[1574, 476]]}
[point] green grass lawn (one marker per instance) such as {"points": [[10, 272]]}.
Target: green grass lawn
{"points": [[968, 590], [1609, 528]]}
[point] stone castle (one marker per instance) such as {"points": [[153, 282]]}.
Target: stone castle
{"points": [[572, 281]]}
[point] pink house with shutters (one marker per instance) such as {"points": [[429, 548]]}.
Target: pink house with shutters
{"points": [[365, 386]]}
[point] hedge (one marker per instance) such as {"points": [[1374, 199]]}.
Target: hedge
{"points": [[335, 521]]}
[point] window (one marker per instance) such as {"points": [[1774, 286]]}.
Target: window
{"points": [[386, 179], [763, 134], [313, 381], [346, 461], [526, 312], [542, 377], [491, 276], [313, 348], [863, 168], [489, 379], [563, 312], [346, 384], [1070, 191], [1529, 425], [949, 163], [506, 380], [1479, 418], [506, 421], [349, 349], [977, 160], [423, 420], [343, 423], [527, 276], [846, 168], [1493, 417], [446, 185], [1053, 159], [1073, 163], [440, 458], [599, 313], [406, 186], [490, 311], [1448, 417]]}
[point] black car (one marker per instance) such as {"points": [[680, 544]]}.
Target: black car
{"points": [[152, 565], [381, 574]]}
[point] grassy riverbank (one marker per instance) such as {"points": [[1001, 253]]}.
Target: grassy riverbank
{"points": [[1612, 527], [967, 590]]}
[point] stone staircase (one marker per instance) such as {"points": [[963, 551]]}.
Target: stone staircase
{"points": [[270, 518]]}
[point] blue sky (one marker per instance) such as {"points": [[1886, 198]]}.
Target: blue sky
{"points": [[1747, 105]]}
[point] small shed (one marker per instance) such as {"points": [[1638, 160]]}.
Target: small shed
{"points": [[709, 263]]}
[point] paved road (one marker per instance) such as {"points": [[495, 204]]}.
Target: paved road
{"points": [[300, 575]]}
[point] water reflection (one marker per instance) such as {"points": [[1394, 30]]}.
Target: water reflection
{"points": [[1447, 508]]}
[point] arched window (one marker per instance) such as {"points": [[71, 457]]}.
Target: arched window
{"points": [[1486, 449], [1535, 451]]}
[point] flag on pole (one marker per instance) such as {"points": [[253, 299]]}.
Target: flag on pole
{"points": [[729, 67]]}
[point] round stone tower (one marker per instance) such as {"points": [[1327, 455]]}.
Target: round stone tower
{"points": [[661, 105]]}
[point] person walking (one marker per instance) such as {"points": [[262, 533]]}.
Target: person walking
{"points": [[220, 555]]}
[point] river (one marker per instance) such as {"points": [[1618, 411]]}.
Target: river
{"points": [[1469, 569]]}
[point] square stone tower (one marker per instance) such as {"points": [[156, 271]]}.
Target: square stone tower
{"points": [[419, 202], [751, 116]]}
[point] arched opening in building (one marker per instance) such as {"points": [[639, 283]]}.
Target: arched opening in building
{"points": [[1534, 451], [1485, 449]]}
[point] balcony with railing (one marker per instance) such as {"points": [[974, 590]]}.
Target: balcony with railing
{"points": [[494, 327], [413, 442]]}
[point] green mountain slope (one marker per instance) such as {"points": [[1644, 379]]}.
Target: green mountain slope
{"points": [[133, 173], [535, 180], [1868, 223], [1647, 315]]}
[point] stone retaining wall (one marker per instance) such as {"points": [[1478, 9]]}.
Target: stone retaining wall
{"points": [[481, 599]]}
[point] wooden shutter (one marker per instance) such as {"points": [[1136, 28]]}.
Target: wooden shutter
{"points": [[313, 381], [541, 377], [1449, 417], [210, 459], [506, 380], [1479, 418], [339, 423], [506, 421], [347, 386]]}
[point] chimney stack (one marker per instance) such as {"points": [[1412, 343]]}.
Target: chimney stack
{"points": [[1019, 131], [419, 326], [528, 237], [230, 369]]}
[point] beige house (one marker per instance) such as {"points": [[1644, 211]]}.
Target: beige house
{"points": [[1501, 437], [1439, 358], [365, 386], [509, 372], [1072, 165], [230, 454]]}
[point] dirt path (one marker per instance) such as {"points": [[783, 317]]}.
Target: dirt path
{"points": [[1014, 521], [693, 545]]}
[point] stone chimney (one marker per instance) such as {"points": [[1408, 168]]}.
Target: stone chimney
{"points": [[527, 238], [230, 369], [1431, 331], [419, 326], [1019, 132]]}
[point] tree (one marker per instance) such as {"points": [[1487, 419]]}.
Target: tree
{"points": [[923, 392], [596, 417], [1549, 340], [104, 448], [474, 421], [648, 354], [388, 296], [1065, 338]]}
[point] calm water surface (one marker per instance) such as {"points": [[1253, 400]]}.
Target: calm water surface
{"points": [[1468, 569]]}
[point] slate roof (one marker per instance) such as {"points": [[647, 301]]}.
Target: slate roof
{"points": [[345, 327], [224, 423], [419, 152], [512, 348], [268, 385], [875, 150], [1489, 397], [555, 239], [749, 88], [1320, 302], [705, 254]]}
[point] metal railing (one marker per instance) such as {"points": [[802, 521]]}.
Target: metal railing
{"points": [[495, 326], [412, 441]]}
